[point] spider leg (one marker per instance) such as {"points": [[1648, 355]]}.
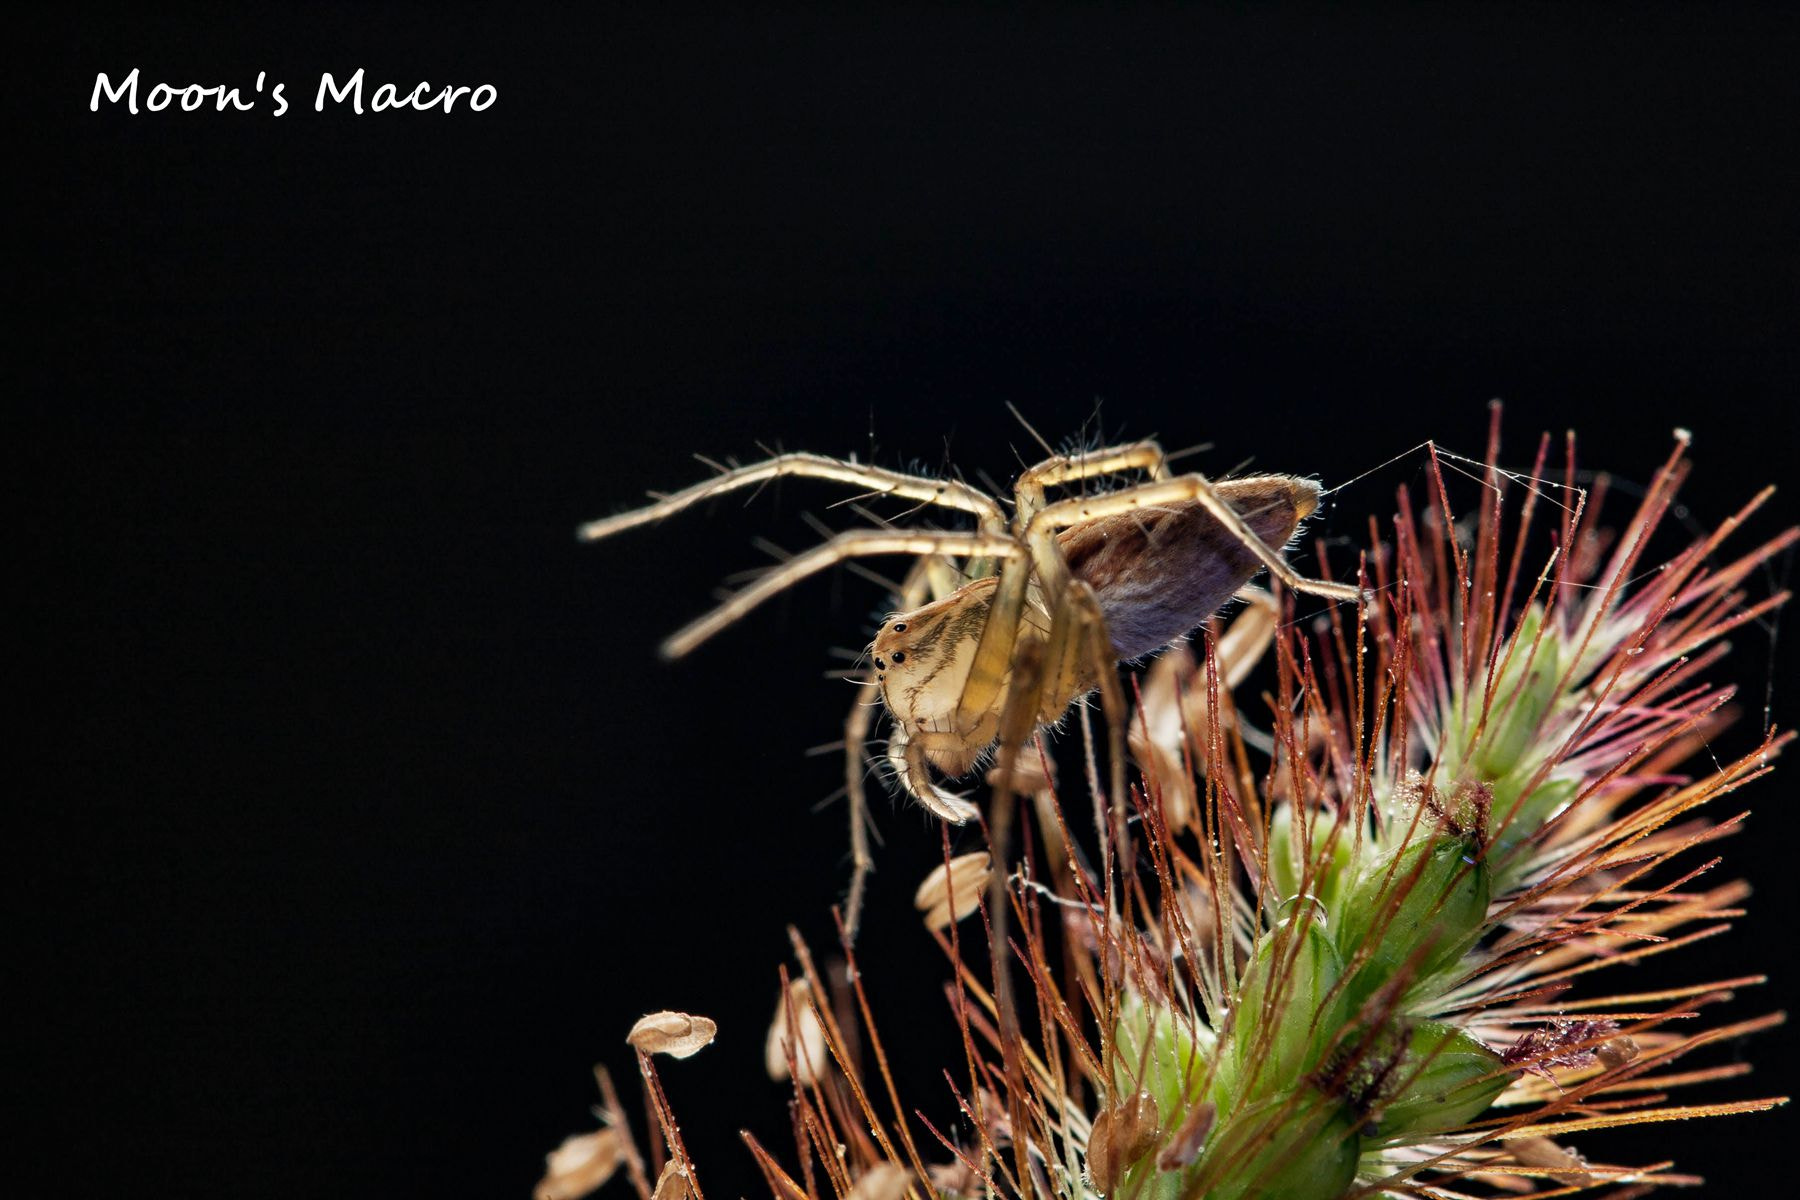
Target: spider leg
{"points": [[1065, 513], [1019, 715], [1094, 644], [856, 736], [844, 546], [951, 493], [986, 685], [1045, 673], [1079, 658], [1015, 725], [1002, 674], [1028, 491]]}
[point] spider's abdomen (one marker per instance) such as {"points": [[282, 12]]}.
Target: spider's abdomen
{"points": [[1159, 572]]}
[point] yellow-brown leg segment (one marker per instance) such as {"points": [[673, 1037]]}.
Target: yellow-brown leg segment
{"points": [[1030, 488], [856, 736], [986, 684], [1097, 663], [996, 652], [917, 586], [844, 546], [1018, 719], [950, 493]]}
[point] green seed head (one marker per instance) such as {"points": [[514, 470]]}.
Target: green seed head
{"points": [[1160, 1052], [1446, 1078], [1301, 1146], [1289, 1008], [1418, 913]]}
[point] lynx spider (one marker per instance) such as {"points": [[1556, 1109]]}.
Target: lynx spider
{"points": [[1059, 594]]}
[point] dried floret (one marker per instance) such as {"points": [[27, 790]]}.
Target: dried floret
{"points": [[580, 1165], [954, 890], [677, 1034], [796, 1035]]}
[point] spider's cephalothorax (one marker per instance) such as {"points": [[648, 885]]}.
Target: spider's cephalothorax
{"points": [[922, 660], [1069, 588]]}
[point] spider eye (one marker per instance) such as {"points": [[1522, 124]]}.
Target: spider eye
{"points": [[900, 628], [899, 656], [880, 666]]}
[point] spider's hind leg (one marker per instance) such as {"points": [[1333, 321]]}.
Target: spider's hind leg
{"points": [[1086, 662], [1198, 489]]}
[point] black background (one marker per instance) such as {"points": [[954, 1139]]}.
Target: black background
{"points": [[359, 816]]}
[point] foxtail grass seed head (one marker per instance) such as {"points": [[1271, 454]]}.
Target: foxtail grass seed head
{"points": [[1468, 806], [1349, 935]]}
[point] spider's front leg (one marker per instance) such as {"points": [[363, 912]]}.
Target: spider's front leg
{"points": [[948, 493], [921, 581]]}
